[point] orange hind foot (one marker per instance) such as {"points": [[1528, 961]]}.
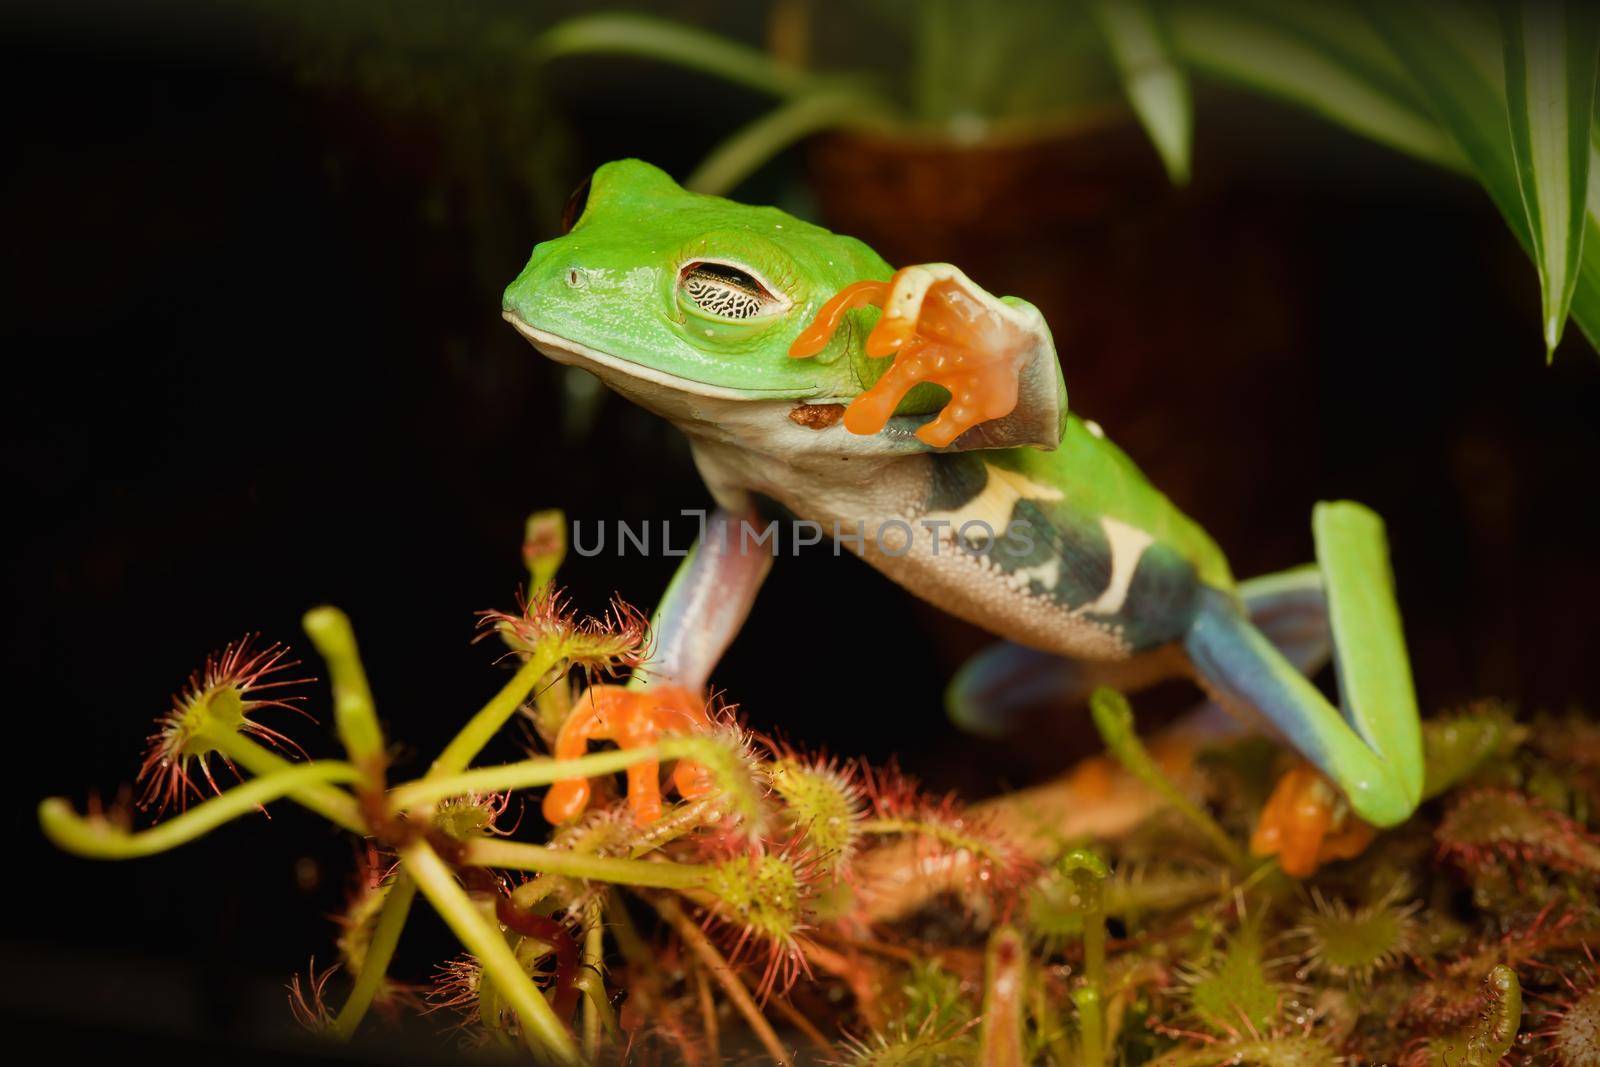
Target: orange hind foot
{"points": [[1305, 824], [633, 718], [941, 328]]}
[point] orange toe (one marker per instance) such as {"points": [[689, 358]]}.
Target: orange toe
{"points": [[1302, 826], [950, 338], [632, 719]]}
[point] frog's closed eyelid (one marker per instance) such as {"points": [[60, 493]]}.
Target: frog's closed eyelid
{"points": [[723, 289]]}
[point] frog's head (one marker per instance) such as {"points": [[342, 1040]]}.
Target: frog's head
{"points": [[682, 301], [688, 304]]}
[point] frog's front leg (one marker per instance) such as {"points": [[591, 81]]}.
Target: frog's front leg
{"points": [[993, 355], [698, 617], [1373, 751]]}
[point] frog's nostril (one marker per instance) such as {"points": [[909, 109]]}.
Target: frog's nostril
{"points": [[577, 277]]}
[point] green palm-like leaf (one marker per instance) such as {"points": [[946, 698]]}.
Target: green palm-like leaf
{"points": [[1156, 86], [1550, 57], [1325, 58], [1456, 54], [1456, 63]]}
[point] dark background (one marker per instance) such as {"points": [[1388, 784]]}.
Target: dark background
{"points": [[255, 363]]}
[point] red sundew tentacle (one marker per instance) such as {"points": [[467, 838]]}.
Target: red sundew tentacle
{"points": [[240, 672]]}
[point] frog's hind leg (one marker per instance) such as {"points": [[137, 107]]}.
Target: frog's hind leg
{"points": [[994, 691], [706, 603], [702, 611], [1372, 750]]}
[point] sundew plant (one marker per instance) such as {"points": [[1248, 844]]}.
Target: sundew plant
{"points": [[765, 900]]}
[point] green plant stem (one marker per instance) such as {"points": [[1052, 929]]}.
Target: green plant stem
{"points": [[354, 717], [331, 803], [742, 153], [478, 731], [1113, 717], [100, 840], [591, 980], [541, 1029], [1088, 873], [1091, 1026], [380, 950], [523, 774], [1053, 1033], [518, 856], [673, 42]]}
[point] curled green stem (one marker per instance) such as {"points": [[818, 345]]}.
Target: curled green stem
{"points": [[98, 839], [325, 799], [380, 950], [1113, 717], [544, 1033]]}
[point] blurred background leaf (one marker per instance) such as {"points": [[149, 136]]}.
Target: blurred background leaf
{"points": [[1157, 87], [1550, 50], [1428, 78]]}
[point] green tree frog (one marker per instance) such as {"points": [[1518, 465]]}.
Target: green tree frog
{"points": [[924, 422]]}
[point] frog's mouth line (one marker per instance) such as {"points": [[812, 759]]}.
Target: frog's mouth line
{"points": [[564, 350]]}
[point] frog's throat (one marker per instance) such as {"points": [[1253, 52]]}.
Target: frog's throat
{"points": [[632, 378], [751, 420]]}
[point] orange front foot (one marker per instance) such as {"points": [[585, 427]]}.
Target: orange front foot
{"points": [[941, 328], [1305, 824], [633, 718]]}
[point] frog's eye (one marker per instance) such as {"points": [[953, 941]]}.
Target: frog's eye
{"points": [[725, 291], [575, 205]]}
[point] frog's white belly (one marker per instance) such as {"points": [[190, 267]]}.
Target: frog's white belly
{"points": [[878, 509]]}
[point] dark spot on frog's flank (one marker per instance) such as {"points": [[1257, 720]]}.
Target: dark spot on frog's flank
{"points": [[957, 479], [816, 416], [1162, 598], [1076, 541]]}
